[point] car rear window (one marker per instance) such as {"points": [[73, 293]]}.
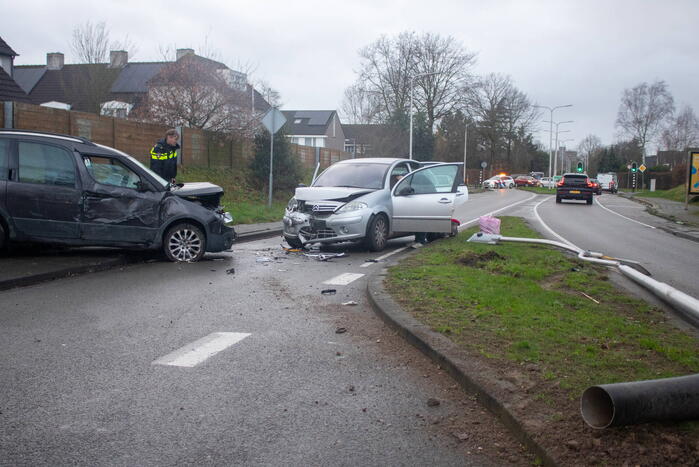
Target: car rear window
{"points": [[575, 179]]}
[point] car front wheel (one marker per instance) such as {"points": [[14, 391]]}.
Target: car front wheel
{"points": [[377, 233], [184, 243]]}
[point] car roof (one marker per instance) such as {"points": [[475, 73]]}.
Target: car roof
{"points": [[374, 160]]}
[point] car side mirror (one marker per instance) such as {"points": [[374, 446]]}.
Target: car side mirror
{"points": [[142, 186]]}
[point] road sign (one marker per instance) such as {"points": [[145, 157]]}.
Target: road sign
{"points": [[484, 164], [642, 168], [273, 120]]}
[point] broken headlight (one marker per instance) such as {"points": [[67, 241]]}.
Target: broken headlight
{"points": [[352, 206], [293, 205]]}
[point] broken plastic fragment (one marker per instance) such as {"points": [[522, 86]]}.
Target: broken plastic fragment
{"points": [[328, 292], [230, 271], [350, 303]]}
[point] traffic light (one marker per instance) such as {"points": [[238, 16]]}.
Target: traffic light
{"points": [[634, 167], [580, 167]]}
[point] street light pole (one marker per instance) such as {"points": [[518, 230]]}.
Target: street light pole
{"points": [[412, 85], [551, 109], [555, 161], [561, 142], [465, 152]]}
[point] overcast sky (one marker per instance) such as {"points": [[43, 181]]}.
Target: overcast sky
{"points": [[560, 52]]}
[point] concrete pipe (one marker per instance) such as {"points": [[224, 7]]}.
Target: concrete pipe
{"points": [[641, 401]]}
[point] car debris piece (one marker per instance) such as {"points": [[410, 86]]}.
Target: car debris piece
{"points": [[340, 330], [326, 256], [350, 303], [432, 402], [265, 259], [328, 292], [230, 271]]}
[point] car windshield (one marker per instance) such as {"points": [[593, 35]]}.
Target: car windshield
{"points": [[369, 176]]}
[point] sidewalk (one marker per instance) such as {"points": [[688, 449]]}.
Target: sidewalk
{"points": [[684, 224], [32, 265]]}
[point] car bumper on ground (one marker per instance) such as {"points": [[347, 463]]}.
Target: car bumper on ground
{"points": [[326, 229]]}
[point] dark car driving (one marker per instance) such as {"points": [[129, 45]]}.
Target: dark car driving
{"points": [[574, 186], [67, 190]]}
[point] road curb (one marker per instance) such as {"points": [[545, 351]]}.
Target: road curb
{"points": [[258, 235], [34, 279], [447, 355]]}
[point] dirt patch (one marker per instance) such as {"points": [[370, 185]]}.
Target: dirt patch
{"points": [[477, 260]]}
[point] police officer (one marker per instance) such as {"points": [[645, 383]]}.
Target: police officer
{"points": [[163, 156]]}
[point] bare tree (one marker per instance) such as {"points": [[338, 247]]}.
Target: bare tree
{"points": [[386, 68], [446, 68], [91, 42], [643, 111], [194, 92], [439, 67], [682, 132], [589, 148], [360, 106]]}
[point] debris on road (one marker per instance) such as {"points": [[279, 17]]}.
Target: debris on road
{"points": [[432, 402], [340, 330], [461, 436], [325, 256], [350, 303], [230, 271], [265, 259], [328, 292]]}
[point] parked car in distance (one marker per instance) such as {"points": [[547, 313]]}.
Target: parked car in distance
{"points": [[547, 182], [527, 180], [67, 190], [608, 182], [574, 186], [537, 175], [596, 189], [499, 181], [374, 199]]}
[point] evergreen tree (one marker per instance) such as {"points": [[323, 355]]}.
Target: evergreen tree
{"points": [[287, 170]]}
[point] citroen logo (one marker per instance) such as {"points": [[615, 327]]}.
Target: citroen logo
{"points": [[316, 207]]}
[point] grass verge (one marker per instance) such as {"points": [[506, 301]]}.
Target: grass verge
{"points": [[673, 194], [247, 204], [516, 303], [538, 189]]}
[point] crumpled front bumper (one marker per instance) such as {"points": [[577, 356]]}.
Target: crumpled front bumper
{"points": [[326, 229]]}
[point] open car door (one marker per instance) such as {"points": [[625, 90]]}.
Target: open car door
{"points": [[424, 200]]}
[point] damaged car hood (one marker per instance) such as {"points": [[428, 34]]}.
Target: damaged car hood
{"points": [[208, 194], [330, 193]]}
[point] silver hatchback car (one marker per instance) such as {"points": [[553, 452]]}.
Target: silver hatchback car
{"points": [[374, 199]]}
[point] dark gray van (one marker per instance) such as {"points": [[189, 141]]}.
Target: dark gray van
{"points": [[67, 190]]}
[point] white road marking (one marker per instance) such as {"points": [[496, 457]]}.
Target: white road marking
{"points": [[549, 229], [627, 218], [464, 224], [380, 258], [193, 354], [343, 279]]}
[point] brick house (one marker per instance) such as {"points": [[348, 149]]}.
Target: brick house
{"points": [[317, 128]]}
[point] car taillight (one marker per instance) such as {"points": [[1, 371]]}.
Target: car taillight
{"points": [[590, 184], [562, 181]]}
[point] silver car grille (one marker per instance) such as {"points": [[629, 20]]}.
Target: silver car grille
{"points": [[319, 208], [318, 234]]}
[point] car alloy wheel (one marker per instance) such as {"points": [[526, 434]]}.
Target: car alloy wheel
{"points": [[184, 243], [378, 233]]}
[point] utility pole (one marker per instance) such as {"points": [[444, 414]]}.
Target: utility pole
{"points": [[551, 109]]}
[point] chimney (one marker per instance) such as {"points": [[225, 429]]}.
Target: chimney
{"points": [[118, 58], [182, 52], [54, 60]]}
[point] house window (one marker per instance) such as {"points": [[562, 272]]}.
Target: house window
{"points": [[297, 121], [310, 141]]}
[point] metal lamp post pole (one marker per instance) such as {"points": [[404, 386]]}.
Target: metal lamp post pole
{"points": [[412, 85], [465, 152], [551, 109], [561, 142]]}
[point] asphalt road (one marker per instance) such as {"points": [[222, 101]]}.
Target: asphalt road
{"points": [[620, 227], [87, 374]]}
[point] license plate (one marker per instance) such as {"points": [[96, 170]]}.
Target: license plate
{"points": [[575, 192]]}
